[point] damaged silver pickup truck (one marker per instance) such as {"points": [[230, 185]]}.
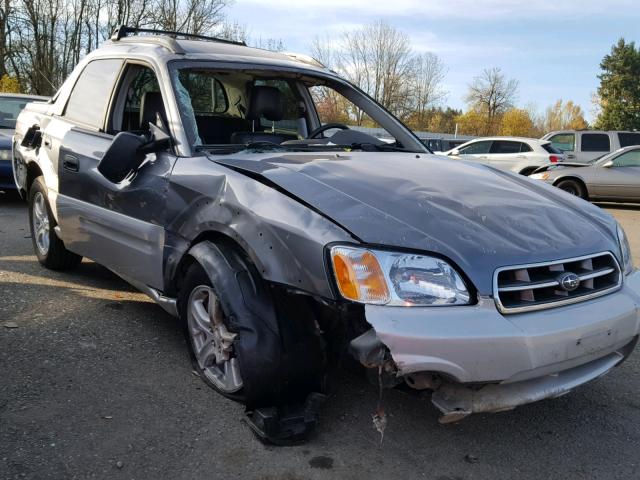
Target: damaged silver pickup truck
{"points": [[213, 177]]}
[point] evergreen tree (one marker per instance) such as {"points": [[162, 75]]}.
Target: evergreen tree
{"points": [[619, 89]]}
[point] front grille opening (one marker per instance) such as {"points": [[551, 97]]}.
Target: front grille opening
{"points": [[540, 286]]}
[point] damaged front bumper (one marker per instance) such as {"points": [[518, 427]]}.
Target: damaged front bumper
{"points": [[489, 362]]}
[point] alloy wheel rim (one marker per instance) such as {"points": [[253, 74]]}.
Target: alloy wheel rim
{"points": [[211, 340], [40, 220]]}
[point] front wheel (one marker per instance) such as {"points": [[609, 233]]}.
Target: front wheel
{"points": [[48, 247], [572, 187], [211, 341]]}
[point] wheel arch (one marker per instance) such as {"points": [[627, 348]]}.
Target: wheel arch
{"points": [[528, 170], [575, 178], [188, 258], [33, 172]]}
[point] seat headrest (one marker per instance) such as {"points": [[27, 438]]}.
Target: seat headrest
{"points": [[267, 102], [151, 107]]}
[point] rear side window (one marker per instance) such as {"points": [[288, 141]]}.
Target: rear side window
{"points": [[90, 95], [565, 142], [505, 147], [595, 142], [551, 149], [628, 139], [525, 148], [476, 148]]}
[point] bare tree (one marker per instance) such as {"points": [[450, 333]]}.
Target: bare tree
{"points": [[41, 41], [5, 12], [425, 85], [192, 16], [492, 94], [378, 59]]}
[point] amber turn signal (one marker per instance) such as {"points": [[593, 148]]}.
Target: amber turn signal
{"points": [[359, 275]]}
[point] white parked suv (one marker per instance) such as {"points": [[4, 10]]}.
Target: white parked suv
{"points": [[520, 155], [581, 146]]}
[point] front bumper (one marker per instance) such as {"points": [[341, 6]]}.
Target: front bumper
{"points": [[477, 344]]}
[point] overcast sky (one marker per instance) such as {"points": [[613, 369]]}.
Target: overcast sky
{"points": [[553, 48]]}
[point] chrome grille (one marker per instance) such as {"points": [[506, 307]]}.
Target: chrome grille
{"points": [[551, 284]]}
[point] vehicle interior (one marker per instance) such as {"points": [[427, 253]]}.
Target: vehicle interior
{"points": [[235, 109], [249, 108]]}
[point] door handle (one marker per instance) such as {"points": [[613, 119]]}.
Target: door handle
{"points": [[570, 155], [71, 163]]}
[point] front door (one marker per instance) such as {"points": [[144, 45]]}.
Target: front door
{"points": [[120, 226], [620, 180], [476, 151]]}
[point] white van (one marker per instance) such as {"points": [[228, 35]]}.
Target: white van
{"points": [[583, 145]]}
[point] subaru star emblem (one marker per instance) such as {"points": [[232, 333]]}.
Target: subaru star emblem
{"points": [[569, 281]]}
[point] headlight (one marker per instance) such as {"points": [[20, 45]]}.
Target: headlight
{"points": [[5, 154], [401, 279], [625, 251], [539, 176]]}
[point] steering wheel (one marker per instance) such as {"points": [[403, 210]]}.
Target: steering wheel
{"points": [[325, 127]]}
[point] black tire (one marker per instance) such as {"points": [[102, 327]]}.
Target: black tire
{"points": [[194, 278], [56, 256], [572, 187], [280, 357]]}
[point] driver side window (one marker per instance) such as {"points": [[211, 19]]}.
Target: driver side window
{"points": [[332, 107], [138, 102], [476, 148], [628, 159]]}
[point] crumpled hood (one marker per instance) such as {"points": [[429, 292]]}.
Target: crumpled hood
{"points": [[478, 217]]}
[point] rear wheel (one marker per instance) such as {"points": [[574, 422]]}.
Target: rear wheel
{"points": [[573, 187], [48, 247]]}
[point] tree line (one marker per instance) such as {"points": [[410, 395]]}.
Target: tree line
{"points": [[379, 59], [41, 41]]}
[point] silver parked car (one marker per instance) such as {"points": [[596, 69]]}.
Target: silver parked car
{"points": [[10, 106], [583, 146], [200, 172], [613, 177]]}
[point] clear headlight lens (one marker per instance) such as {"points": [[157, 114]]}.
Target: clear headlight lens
{"points": [[625, 251], [392, 278], [5, 154], [539, 176]]}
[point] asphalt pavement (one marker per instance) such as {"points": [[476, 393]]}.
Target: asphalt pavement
{"points": [[96, 382]]}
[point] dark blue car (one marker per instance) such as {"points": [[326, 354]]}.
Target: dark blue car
{"points": [[10, 106]]}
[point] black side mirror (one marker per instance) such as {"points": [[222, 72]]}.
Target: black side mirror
{"points": [[32, 137], [128, 152]]}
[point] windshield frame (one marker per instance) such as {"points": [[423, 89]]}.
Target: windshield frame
{"points": [[399, 131]]}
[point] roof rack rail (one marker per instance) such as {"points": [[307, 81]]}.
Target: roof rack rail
{"points": [[123, 31]]}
